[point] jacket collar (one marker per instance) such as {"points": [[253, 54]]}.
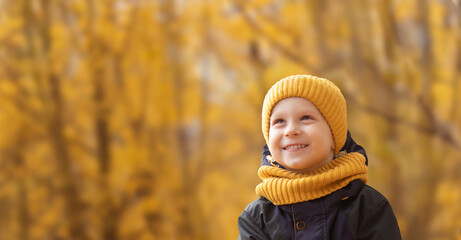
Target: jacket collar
{"points": [[323, 204]]}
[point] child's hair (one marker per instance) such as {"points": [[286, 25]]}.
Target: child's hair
{"points": [[322, 93]]}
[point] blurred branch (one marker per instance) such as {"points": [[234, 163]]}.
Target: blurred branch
{"points": [[250, 19], [292, 54], [437, 129], [21, 101]]}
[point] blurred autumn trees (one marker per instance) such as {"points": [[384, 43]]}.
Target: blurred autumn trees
{"points": [[141, 119]]}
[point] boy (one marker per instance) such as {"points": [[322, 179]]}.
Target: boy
{"points": [[313, 174]]}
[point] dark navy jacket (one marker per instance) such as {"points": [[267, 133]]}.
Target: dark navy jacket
{"points": [[356, 211]]}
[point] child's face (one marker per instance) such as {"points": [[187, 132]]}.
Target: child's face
{"points": [[299, 136]]}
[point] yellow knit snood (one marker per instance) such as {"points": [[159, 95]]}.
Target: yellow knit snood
{"points": [[282, 186]]}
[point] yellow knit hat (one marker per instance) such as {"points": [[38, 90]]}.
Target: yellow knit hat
{"points": [[322, 93]]}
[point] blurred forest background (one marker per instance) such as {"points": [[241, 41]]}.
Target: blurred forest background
{"points": [[140, 119]]}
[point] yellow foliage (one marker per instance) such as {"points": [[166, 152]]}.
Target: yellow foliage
{"points": [[443, 98], [141, 119]]}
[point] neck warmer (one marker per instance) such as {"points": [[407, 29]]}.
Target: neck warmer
{"points": [[281, 186]]}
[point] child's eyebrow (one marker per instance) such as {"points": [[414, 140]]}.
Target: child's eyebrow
{"points": [[274, 114]]}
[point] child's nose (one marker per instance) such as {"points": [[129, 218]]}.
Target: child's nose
{"points": [[292, 130]]}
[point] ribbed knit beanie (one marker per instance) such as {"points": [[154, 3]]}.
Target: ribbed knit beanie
{"points": [[325, 95]]}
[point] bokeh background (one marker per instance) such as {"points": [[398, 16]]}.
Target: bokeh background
{"points": [[140, 119]]}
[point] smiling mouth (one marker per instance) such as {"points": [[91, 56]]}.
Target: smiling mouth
{"points": [[294, 147]]}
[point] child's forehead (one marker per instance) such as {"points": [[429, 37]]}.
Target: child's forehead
{"points": [[295, 103]]}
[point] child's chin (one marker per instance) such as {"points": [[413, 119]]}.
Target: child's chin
{"points": [[299, 169]]}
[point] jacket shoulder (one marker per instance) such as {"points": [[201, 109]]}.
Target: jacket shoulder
{"points": [[371, 198], [373, 216], [258, 210], [258, 205], [253, 220]]}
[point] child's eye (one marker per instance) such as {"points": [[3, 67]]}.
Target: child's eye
{"points": [[277, 121], [306, 117]]}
